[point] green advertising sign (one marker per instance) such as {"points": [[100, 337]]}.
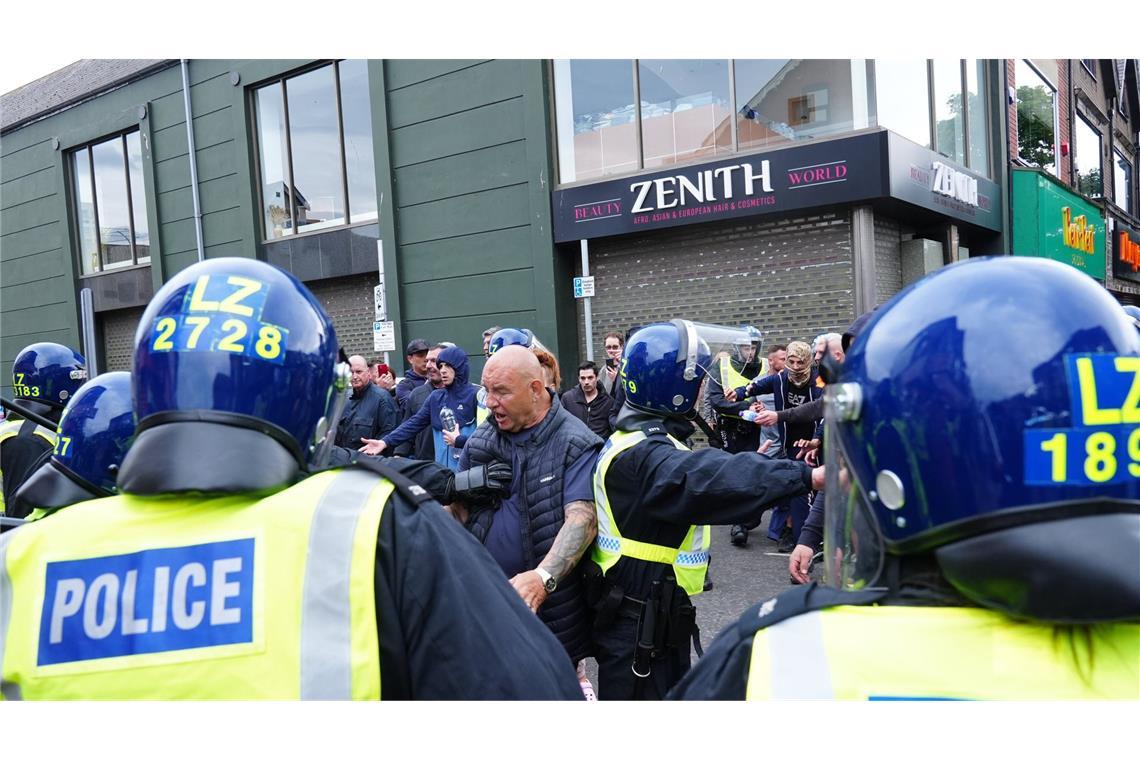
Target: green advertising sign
{"points": [[1051, 221]]}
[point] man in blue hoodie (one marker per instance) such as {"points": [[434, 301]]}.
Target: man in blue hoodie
{"points": [[450, 410]]}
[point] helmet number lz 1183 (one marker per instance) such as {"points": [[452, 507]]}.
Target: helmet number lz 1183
{"points": [[26, 391]]}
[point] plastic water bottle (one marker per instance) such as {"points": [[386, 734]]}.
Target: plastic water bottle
{"points": [[447, 419], [750, 416]]}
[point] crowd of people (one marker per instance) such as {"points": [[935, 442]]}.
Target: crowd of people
{"points": [[496, 535]]}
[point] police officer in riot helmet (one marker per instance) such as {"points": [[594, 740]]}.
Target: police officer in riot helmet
{"points": [[512, 336], [982, 489], [656, 499], [225, 572], [95, 432], [44, 377], [736, 369]]}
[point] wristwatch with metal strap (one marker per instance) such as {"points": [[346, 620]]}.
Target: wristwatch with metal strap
{"points": [[547, 580]]}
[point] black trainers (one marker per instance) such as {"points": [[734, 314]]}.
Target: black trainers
{"points": [[708, 582], [787, 541], [738, 535]]}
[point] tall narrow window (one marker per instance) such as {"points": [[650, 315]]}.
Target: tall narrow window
{"points": [[686, 110], [356, 107], [315, 157], [978, 112], [902, 101], [1036, 118], [276, 209], [949, 110], [597, 119], [762, 118], [1087, 160], [111, 229], [1121, 181]]}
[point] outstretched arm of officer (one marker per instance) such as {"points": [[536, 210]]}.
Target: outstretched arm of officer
{"points": [[711, 486]]}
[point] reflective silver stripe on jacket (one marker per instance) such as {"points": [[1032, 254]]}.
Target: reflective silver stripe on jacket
{"points": [[326, 610], [11, 691], [798, 660]]}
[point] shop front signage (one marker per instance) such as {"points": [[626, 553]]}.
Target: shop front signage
{"points": [[1051, 221], [924, 178], [1126, 252], [830, 172]]}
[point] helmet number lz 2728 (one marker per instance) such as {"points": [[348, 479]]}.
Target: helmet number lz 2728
{"points": [[223, 315]]}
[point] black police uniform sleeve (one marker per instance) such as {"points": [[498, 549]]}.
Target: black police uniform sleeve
{"points": [[758, 387], [434, 478], [618, 394], [20, 456], [809, 412], [708, 486], [451, 626], [716, 399], [811, 534]]}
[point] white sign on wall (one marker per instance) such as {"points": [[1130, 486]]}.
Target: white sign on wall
{"points": [[383, 336], [583, 287]]}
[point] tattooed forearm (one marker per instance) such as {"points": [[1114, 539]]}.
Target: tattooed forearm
{"points": [[577, 533]]}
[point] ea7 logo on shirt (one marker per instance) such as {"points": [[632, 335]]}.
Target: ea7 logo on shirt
{"points": [[158, 600]]}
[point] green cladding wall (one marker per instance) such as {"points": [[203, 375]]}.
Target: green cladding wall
{"points": [[463, 169], [470, 168]]}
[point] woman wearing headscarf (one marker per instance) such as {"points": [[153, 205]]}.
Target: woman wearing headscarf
{"points": [[449, 410], [797, 384]]}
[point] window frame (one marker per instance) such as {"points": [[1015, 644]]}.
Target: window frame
{"points": [[984, 87], [1123, 159], [1082, 119], [255, 129], [75, 233], [1091, 69], [1056, 170]]}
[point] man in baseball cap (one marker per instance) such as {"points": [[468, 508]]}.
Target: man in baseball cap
{"points": [[417, 373]]}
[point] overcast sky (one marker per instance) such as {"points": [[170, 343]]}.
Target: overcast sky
{"points": [[17, 72]]}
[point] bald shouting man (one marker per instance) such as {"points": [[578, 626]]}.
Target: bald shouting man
{"points": [[540, 532]]}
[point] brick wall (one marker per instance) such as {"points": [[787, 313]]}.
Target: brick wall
{"points": [[889, 233], [1011, 108], [1064, 126], [793, 277], [119, 338], [348, 300]]}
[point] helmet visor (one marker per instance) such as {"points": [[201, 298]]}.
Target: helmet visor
{"points": [[325, 434], [702, 343], [853, 546]]}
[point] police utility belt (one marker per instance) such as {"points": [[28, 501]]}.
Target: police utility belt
{"points": [[666, 619]]}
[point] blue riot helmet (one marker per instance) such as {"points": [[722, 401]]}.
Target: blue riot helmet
{"points": [[977, 422], [1133, 313], [95, 431], [48, 373], [510, 336], [664, 364], [233, 349], [748, 356]]}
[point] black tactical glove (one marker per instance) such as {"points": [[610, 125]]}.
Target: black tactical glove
{"points": [[483, 484]]}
